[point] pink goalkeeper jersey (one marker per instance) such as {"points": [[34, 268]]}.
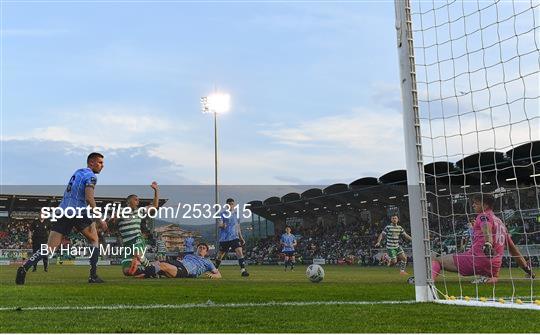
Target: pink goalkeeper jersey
{"points": [[498, 233]]}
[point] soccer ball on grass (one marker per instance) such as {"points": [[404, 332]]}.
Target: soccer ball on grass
{"points": [[315, 273]]}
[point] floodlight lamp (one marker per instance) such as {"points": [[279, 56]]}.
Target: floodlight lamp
{"points": [[216, 103]]}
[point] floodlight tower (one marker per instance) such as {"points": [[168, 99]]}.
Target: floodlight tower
{"points": [[216, 103]]}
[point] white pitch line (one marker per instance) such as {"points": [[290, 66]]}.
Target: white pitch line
{"points": [[208, 304], [476, 303]]}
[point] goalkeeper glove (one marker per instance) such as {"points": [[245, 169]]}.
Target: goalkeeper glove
{"points": [[487, 248], [529, 272]]}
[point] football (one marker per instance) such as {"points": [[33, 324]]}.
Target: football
{"points": [[315, 273]]}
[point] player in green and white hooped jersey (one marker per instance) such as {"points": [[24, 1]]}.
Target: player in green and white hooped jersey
{"points": [[392, 233], [130, 232]]}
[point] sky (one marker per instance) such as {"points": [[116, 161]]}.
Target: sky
{"points": [[314, 87]]}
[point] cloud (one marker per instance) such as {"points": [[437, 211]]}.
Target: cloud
{"points": [[101, 126], [46, 162], [361, 131]]}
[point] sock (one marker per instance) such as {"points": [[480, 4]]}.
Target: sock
{"points": [[93, 261], [33, 260], [402, 265], [242, 263], [291, 263], [435, 269], [145, 262], [218, 262], [45, 262], [286, 263]]}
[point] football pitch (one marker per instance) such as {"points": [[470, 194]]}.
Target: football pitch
{"points": [[350, 299]]}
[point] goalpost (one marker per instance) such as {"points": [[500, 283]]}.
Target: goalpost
{"points": [[470, 77]]}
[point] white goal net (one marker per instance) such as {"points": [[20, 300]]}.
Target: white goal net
{"points": [[475, 77]]}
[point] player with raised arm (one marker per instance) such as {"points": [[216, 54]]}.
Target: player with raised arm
{"points": [[392, 233], [131, 234], [79, 194], [230, 236], [288, 244], [484, 258], [191, 266]]}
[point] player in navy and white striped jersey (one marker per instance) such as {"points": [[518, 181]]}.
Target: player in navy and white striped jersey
{"points": [[79, 194]]}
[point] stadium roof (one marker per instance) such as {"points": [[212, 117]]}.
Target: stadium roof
{"points": [[488, 170], [19, 204]]}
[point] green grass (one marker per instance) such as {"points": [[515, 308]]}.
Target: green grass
{"points": [[66, 286]]}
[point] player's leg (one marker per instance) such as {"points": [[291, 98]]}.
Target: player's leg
{"points": [[292, 261], [223, 249], [286, 261], [90, 232], [136, 265], [55, 238], [402, 262], [46, 264], [392, 256], [241, 259], [35, 248], [445, 262], [219, 257]]}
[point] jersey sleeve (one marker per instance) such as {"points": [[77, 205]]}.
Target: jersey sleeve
{"points": [[385, 230], [482, 220], [90, 179], [210, 266]]}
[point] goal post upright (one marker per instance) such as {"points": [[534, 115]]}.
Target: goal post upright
{"points": [[424, 288]]}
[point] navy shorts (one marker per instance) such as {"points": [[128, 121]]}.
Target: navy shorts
{"points": [[65, 225], [288, 253], [181, 269], [227, 245]]}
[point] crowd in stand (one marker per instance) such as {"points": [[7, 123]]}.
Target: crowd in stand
{"points": [[15, 235], [342, 244], [351, 243]]}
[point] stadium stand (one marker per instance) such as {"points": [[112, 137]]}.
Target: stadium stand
{"points": [[340, 222]]}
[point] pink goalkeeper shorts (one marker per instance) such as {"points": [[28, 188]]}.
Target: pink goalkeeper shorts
{"points": [[469, 265]]}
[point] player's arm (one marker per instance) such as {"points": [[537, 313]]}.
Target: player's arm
{"points": [[214, 274], [240, 237], [221, 223], [155, 201], [379, 239], [520, 260], [89, 195], [407, 236], [294, 243], [488, 238]]}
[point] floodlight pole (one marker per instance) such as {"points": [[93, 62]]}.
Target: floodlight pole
{"points": [[216, 190], [416, 186]]}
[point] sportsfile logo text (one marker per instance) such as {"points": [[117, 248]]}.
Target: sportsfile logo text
{"points": [[184, 211]]}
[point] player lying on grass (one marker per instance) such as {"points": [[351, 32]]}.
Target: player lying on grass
{"points": [[392, 233], [191, 266], [131, 234], [489, 237]]}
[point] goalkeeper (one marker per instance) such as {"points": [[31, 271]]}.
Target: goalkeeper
{"points": [[130, 232], [484, 258]]}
